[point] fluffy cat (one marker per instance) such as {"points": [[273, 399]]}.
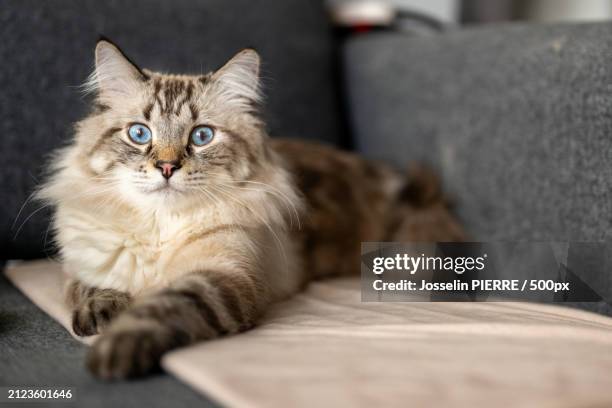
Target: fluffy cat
{"points": [[178, 219]]}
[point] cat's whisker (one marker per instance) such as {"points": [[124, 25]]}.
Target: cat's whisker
{"points": [[46, 236], [285, 200], [270, 190], [219, 202], [269, 186], [291, 209], [30, 197], [258, 216], [89, 193], [28, 218], [63, 200], [210, 195]]}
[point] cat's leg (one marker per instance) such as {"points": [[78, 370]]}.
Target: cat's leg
{"points": [[93, 308], [196, 307]]}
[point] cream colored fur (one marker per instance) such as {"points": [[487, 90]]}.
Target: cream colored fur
{"points": [[114, 233]]}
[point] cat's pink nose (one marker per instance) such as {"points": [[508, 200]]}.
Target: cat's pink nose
{"points": [[167, 168]]}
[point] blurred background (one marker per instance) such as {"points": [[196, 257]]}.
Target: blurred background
{"points": [[401, 12]]}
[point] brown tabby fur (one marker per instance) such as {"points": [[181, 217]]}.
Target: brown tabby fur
{"points": [[351, 200]]}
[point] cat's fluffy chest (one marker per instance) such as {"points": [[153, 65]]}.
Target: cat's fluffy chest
{"points": [[123, 253]]}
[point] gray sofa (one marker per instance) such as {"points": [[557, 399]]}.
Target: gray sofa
{"points": [[516, 118]]}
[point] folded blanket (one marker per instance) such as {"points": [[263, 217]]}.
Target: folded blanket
{"points": [[325, 347]]}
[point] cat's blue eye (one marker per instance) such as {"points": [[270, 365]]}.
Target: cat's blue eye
{"points": [[202, 135], [139, 133]]}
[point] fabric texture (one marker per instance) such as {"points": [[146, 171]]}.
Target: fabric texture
{"points": [[516, 118], [47, 52], [36, 350], [325, 348]]}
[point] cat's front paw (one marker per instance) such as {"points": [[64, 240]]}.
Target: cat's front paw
{"points": [[94, 314], [128, 352]]}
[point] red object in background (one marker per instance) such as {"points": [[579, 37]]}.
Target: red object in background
{"points": [[362, 28]]}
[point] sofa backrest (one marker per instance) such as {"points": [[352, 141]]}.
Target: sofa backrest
{"points": [[517, 119]]}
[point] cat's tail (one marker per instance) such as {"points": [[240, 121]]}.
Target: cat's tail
{"points": [[425, 212], [421, 188]]}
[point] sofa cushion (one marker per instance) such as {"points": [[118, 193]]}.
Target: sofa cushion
{"points": [[47, 51]]}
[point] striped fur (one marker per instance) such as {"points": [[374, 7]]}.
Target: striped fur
{"points": [[94, 308], [200, 306], [158, 263]]}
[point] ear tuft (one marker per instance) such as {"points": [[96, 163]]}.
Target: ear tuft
{"points": [[115, 75], [240, 77]]}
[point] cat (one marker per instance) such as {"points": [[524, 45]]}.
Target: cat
{"points": [[179, 220]]}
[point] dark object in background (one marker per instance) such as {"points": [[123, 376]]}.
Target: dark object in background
{"points": [[488, 11], [47, 52]]}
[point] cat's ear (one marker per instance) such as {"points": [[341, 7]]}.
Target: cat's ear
{"points": [[115, 76], [239, 77]]}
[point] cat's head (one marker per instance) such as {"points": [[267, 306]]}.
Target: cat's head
{"points": [[165, 138]]}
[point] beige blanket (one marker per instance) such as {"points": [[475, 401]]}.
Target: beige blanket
{"points": [[325, 348]]}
